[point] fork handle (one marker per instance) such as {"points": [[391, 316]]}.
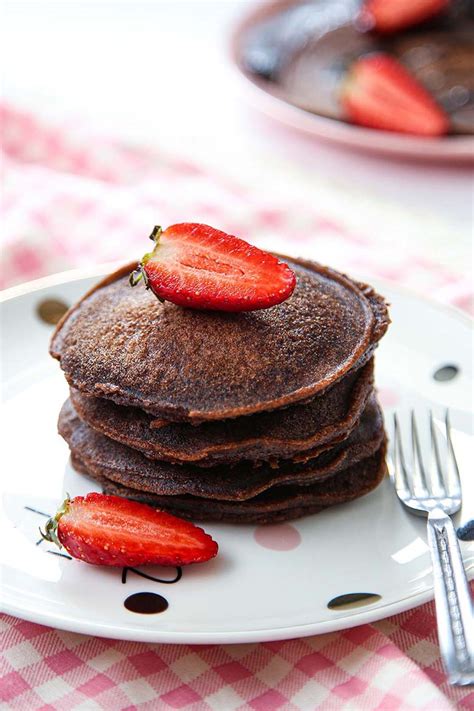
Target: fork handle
{"points": [[454, 609]]}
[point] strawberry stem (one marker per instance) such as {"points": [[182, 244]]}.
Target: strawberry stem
{"points": [[156, 233], [140, 272], [136, 276], [50, 532]]}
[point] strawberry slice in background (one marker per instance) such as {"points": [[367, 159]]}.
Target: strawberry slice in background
{"points": [[394, 15], [379, 92], [110, 530], [200, 267]]}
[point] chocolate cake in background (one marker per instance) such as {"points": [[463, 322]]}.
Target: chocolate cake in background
{"points": [[302, 51], [256, 416]]}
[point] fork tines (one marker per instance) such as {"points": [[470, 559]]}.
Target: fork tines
{"points": [[424, 479]]}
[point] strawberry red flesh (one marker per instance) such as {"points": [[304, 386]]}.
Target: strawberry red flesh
{"points": [[380, 93], [395, 15], [200, 267], [110, 530]]}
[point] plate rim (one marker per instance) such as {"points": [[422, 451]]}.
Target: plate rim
{"points": [[447, 148], [283, 632], [269, 634]]}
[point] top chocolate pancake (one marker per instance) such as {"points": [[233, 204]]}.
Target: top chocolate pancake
{"points": [[187, 365]]}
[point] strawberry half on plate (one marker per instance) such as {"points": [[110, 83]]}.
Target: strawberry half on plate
{"points": [[379, 92], [110, 530], [200, 267], [395, 15]]}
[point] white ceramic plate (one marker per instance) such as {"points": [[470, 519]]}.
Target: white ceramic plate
{"points": [[258, 94], [251, 591]]}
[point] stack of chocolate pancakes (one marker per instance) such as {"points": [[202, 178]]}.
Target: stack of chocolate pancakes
{"points": [[244, 417]]}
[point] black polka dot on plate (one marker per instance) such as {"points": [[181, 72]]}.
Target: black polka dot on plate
{"points": [[51, 310], [146, 603], [466, 532], [351, 600], [445, 373]]}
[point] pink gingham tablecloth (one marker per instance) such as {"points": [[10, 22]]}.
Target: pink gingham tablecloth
{"points": [[71, 198]]}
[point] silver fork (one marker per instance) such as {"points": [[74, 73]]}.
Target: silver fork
{"points": [[436, 491]]}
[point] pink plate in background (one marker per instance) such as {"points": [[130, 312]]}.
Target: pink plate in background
{"points": [[268, 101]]}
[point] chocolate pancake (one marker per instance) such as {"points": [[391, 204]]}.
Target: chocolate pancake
{"points": [[279, 434], [102, 457], [302, 52], [278, 504], [186, 365]]}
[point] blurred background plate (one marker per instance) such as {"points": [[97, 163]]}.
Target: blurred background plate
{"points": [[266, 98]]}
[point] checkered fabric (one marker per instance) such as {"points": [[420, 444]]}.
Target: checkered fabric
{"points": [[392, 664], [71, 198]]}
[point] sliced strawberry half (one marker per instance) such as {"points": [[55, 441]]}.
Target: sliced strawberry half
{"points": [[200, 267], [380, 93], [394, 15], [109, 530]]}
